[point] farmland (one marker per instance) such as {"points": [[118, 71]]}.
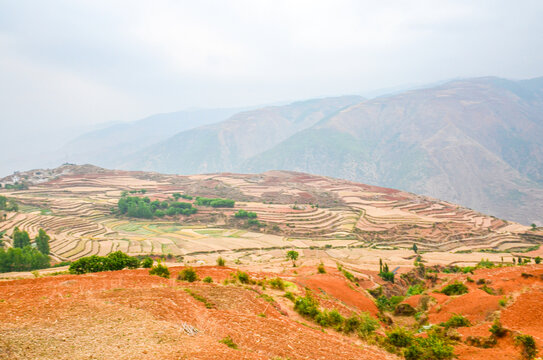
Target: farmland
{"points": [[341, 219]]}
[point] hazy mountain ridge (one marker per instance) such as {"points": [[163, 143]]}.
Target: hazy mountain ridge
{"points": [[478, 142]]}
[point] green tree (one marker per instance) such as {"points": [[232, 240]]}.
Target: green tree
{"points": [[42, 242], [20, 238], [292, 255], [415, 248], [538, 260]]}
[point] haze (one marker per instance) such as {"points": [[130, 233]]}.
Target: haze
{"points": [[67, 66]]}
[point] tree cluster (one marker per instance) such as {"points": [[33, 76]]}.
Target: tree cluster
{"points": [[25, 259], [114, 261], [8, 205], [385, 273], [215, 202], [138, 207], [242, 214]]}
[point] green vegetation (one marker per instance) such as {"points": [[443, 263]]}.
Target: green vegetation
{"points": [[527, 344], [20, 238], [385, 273], [456, 288], [220, 261], [538, 260], [456, 321], [147, 263], [277, 283], [497, 329], [160, 270], [416, 289], [16, 186], [215, 202], [229, 342], [25, 259], [208, 279], [242, 214], [293, 256], [42, 242], [177, 196], [242, 277], [388, 304], [114, 261], [188, 274], [143, 207], [200, 298], [321, 269], [8, 205]]}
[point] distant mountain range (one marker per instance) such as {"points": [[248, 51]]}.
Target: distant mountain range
{"points": [[477, 142]]}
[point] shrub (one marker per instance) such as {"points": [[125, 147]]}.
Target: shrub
{"points": [[321, 269], [277, 283], [367, 325], [348, 275], [433, 347], [160, 270], [307, 306], [290, 296], [208, 279], [329, 318], [147, 263], [415, 290], [188, 274], [456, 288], [229, 342], [527, 343], [399, 337], [538, 260], [242, 277], [497, 329], [456, 321], [119, 260], [220, 261]]}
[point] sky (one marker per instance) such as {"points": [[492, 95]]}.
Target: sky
{"points": [[66, 66]]}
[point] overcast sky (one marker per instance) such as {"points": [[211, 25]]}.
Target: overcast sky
{"points": [[74, 63]]}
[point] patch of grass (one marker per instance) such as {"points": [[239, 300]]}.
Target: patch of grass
{"points": [[208, 279], [277, 283], [200, 298], [527, 344], [229, 342], [415, 290]]}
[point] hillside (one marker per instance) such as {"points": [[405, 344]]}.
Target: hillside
{"points": [[476, 142], [76, 205], [224, 146], [104, 147]]}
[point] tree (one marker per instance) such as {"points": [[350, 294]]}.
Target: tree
{"points": [[415, 248], [42, 242], [538, 260], [20, 238], [292, 255], [534, 226]]}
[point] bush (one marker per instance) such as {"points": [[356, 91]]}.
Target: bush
{"points": [[147, 263], [497, 329], [456, 288], [220, 261], [119, 260], [399, 337], [527, 343], [277, 283], [242, 214], [367, 325], [188, 274], [160, 270], [433, 347], [290, 296], [242, 277], [330, 318], [456, 321], [307, 306], [215, 202], [25, 259], [538, 260], [208, 279], [321, 269], [415, 290]]}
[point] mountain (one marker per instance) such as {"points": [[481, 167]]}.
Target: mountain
{"points": [[477, 142], [223, 146], [105, 146]]}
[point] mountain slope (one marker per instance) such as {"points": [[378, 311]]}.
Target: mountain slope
{"points": [[225, 145], [474, 142], [477, 142], [103, 147]]}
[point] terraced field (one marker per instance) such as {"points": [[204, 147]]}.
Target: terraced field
{"points": [[74, 204]]}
